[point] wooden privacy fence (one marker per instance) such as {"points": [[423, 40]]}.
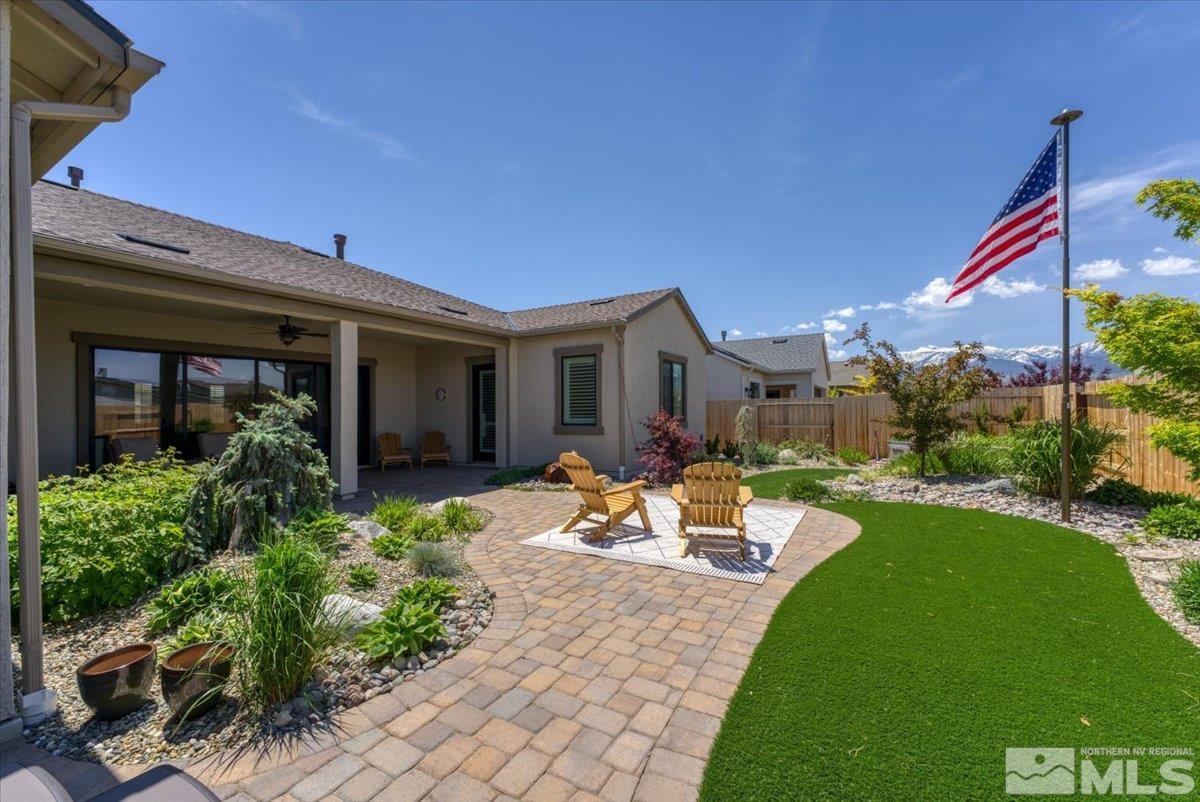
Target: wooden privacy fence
{"points": [[857, 421]]}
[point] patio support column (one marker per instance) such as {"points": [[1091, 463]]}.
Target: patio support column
{"points": [[343, 347], [502, 460]]}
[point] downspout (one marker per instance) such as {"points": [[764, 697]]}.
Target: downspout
{"points": [[621, 401], [37, 701]]}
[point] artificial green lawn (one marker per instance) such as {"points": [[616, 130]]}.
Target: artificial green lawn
{"points": [[903, 665], [769, 484]]}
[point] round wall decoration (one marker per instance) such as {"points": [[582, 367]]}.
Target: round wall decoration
{"points": [[440, 395]]}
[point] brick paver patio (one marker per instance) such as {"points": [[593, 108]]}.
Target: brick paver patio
{"points": [[596, 679]]}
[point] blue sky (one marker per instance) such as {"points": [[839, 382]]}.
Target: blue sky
{"points": [[786, 165]]}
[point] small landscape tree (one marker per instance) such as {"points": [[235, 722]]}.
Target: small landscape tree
{"points": [[1039, 373], [923, 395], [1175, 199], [745, 433], [271, 470], [667, 448]]}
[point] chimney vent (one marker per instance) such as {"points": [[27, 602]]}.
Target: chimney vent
{"points": [[723, 333], [339, 241], [76, 175]]}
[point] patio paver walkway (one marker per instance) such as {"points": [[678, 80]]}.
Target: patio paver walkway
{"points": [[596, 679]]}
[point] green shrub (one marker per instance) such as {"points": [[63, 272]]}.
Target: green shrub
{"points": [[109, 536], [282, 630], [393, 512], [404, 630], [1186, 588], [1174, 520], [181, 599], [509, 476], [745, 432], [270, 470], [807, 449], [392, 546], [433, 592], [323, 527], [433, 559], [909, 464], [765, 453], [1037, 455], [203, 627], [460, 518], [362, 576], [852, 456], [975, 455], [805, 489], [1118, 492], [426, 528], [729, 450]]}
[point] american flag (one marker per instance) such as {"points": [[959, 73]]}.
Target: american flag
{"points": [[205, 364], [1029, 216]]}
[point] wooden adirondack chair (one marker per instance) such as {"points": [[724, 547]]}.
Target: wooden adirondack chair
{"points": [[434, 449], [615, 503], [712, 496], [390, 451]]}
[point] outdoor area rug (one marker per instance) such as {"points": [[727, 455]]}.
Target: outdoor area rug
{"points": [[768, 530]]}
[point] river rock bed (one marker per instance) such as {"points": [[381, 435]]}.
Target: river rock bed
{"points": [[347, 680], [1153, 563]]}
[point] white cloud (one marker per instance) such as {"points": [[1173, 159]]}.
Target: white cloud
{"points": [[833, 325], [1160, 249], [387, 145], [1118, 188], [830, 340], [932, 298], [276, 14], [837, 353], [1170, 266], [798, 327], [761, 334], [999, 288], [735, 332], [881, 306], [1100, 270], [847, 312]]}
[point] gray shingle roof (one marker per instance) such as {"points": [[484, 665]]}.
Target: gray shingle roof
{"points": [[842, 375], [90, 218], [793, 353]]}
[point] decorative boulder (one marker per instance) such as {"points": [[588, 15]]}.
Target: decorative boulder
{"points": [[787, 457], [556, 474], [369, 529], [854, 479], [439, 506], [353, 614]]}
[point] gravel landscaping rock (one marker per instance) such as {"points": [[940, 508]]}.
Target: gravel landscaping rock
{"points": [[349, 679], [1154, 564]]}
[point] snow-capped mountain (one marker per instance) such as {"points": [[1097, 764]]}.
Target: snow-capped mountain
{"points": [[1011, 361]]}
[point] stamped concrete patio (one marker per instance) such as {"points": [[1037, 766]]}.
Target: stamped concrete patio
{"points": [[596, 679]]}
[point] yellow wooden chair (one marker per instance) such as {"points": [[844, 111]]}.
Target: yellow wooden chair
{"points": [[615, 504], [712, 496], [390, 451], [434, 449]]}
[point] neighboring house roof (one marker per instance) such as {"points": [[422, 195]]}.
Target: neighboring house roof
{"points": [[843, 375], [794, 353], [64, 214]]}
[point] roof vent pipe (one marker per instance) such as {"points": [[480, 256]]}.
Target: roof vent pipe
{"points": [[723, 333], [76, 175], [339, 241]]}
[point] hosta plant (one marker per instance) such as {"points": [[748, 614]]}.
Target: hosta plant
{"points": [[392, 546], [404, 630], [205, 589], [362, 576], [432, 592]]}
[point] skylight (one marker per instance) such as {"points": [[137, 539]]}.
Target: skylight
{"points": [[452, 310], [601, 302], [779, 340], [153, 244]]}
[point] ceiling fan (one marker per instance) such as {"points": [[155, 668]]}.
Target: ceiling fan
{"points": [[288, 332]]}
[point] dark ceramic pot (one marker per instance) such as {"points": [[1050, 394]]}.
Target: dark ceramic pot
{"points": [[193, 677], [118, 682]]}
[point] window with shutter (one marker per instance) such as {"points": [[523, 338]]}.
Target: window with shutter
{"points": [[580, 390]]}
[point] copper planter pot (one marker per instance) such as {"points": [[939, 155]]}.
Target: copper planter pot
{"points": [[117, 683], [193, 677]]}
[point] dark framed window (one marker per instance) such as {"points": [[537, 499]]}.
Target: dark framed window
{"points": [[754, 390], [577, 372], [672, 383]]}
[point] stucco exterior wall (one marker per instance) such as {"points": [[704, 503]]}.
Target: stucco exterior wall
{"points": [[802, 382], [445, 367], [727, 380], [535, 440], [665, 328], [394, 374]]}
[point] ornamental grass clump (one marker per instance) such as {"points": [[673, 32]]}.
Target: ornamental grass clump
{"points": [[433, 559], [1186, 588], [852, 456], [460, 518], [108, 537], [282, 629], [1036, 455], [425, 528], [393, 512], [362, 576], [745, 433], [271, 470], [975, 455]]}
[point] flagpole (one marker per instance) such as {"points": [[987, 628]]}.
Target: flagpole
{"points": [[1064, 121]]}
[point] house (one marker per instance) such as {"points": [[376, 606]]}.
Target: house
{"points": [[154, 326], [846, 377], [64, 70], [792, 366]]}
